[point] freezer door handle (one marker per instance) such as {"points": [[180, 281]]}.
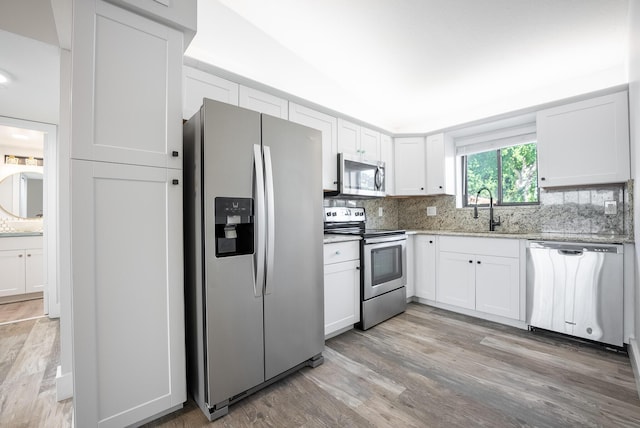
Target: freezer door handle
{"points": [[260, 230], [271, 226]]}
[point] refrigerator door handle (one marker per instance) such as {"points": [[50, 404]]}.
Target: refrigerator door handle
{"points": [[260, 229], [271, 228]]}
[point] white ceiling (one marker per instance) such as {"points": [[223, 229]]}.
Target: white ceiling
{"points": [[419, 65]]}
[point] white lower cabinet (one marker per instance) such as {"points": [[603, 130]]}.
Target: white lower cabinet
{"points": [[497, 286], [128, 274], [425, 267], [457, 280], [341, 286], [22, 267], [411, 266], [480, 274]]}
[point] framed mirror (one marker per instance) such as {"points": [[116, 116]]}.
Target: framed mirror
{"points": [[21, 195]]}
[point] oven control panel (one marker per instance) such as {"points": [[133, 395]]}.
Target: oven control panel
{"points": [[343, 214]]}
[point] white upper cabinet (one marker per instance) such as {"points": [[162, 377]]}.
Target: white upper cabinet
{"points": [[386, 156], [198, 85], [328, 125], [262, 102], [358, 141], [584, 143], [409, 166], [127, 70], [369, 143], [180, 14], [440, 165]]}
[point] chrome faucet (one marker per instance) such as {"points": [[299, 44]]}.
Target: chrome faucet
{"points": [[492, 222]]}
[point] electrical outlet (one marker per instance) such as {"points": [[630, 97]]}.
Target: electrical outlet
{"points": [[431, 211], [380, 211], [610, 207]]}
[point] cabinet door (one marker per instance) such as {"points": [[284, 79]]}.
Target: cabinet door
{"points": [[128, 275], [34, 269], [426, 267], [370, 144], [411, 266], [328, 125], [498, 286], [198, 85], [456, 280], [410, 166], [341, 295], [128, 70], [348, 137], [12, 268], [440, 165], [264, 103], [386, 156], [584, 143]]}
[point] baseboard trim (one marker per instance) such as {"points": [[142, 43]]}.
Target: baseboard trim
{"points": [[64, 385], [634, 357]]}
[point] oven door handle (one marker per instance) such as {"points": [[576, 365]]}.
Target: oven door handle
{"points": [[382, 239]]}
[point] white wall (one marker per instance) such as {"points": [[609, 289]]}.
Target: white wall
{"points": [[634, 124]]}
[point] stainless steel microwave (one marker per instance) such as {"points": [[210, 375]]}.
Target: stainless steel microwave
{"points": [[358, 178]]}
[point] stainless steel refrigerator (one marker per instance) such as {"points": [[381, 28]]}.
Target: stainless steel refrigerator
{"points": [[253, 252]]}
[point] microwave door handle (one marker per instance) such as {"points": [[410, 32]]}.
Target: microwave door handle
{"points": [[260, 226], [379, 177], [271, 228]]}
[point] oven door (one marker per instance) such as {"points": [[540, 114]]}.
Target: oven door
{"points": [[385, 265]]}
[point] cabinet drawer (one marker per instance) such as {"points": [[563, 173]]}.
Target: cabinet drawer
{"points": [[482, 246], [341, 252]]}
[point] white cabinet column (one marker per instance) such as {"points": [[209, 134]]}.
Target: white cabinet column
{"points": [[126, 213]]}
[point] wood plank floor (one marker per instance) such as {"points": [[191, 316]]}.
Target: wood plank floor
{"points": [[29, 356], [424, 368], [26, 309], [433, 368]]}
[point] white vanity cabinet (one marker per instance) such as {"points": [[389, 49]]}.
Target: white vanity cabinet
{"points": [[341, 286], [583, 143], [22, 266], [425, 267], [481, 274], [328, 125], [357, 140], [409, 166]]}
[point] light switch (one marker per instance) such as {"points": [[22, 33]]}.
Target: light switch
{"points": [[380, 211], [431, 211]]}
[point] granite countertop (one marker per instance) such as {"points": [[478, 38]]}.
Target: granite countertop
{"points": [[18, 234], [539, 236], [331, 238]]}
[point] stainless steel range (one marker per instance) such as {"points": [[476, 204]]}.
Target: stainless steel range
{"points": [[383, 263]]}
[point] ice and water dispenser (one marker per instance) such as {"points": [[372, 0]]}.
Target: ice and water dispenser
{"points": [[234, 226]]}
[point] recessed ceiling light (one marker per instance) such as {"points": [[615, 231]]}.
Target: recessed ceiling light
{"points": [[20, 136]]}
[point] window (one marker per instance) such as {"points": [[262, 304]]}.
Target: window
{"points": [[510, 173]]}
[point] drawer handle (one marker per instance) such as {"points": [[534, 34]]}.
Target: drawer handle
{"points": [[470, 261], [478, 261], [28, 255], [357, 267], [338, 252], [175, 153], [19, 255]]}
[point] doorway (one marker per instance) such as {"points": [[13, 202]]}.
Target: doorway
{"points": [[28, 219]]}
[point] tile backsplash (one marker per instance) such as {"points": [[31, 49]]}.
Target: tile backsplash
{"points": [[563, 210]]}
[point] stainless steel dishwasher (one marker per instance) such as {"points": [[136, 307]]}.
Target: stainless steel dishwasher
{"points": [[576, 289]]}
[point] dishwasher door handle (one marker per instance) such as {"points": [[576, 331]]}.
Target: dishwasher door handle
{"points": [[570, 252]]}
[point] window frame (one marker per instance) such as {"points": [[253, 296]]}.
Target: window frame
{"points": [[497, 199]]}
